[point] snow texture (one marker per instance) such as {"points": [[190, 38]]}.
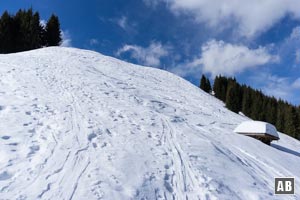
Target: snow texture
{"points": [[256, 127], [75, 124]]}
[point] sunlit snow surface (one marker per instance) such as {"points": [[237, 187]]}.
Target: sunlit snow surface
{"points": [[75, 124]]}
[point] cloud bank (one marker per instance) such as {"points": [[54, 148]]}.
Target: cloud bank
{"points": [[278, 86], [296, 84], [223, 58], [66, 39], [149, 56], [251, 17]]}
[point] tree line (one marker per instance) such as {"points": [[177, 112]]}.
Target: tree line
{"points": [[24, 31], [256, 105]]}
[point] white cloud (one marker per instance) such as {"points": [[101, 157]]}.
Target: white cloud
{"points": [[189, 68], [149, 56], [295, 33], [152, 3], [66, 39], [297, 59], [279, 87], [293, 41], [122, 22], [223, 58], [273, 85], [290, 47], [251, 16], [296, 84], [43, 23], [125, 24], [93, 42]]}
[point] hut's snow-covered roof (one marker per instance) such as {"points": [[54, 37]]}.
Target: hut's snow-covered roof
{"points": [[256, 127]]}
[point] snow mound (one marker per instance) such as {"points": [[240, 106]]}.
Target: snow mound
{"points": [[75, 124], [256, 127]]}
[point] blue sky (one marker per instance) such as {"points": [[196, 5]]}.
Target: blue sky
{"points": [[256, 41]]}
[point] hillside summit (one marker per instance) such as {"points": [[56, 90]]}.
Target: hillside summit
{"points": [[76, 124]]}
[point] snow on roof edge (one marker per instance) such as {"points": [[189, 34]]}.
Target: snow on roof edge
{"points": [[258, 127]]}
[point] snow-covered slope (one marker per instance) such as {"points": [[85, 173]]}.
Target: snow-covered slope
{"points": [[75, 124]]}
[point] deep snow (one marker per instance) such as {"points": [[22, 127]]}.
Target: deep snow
{"points": [[75, 124]]}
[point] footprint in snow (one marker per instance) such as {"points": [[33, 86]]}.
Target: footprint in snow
{"points": [[31, 131], [5, 137], [91, 136], [177, 119], [33, 149], [13, 144], [4, 176]]}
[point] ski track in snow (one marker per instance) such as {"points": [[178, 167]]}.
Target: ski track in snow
{"points": [[75, 124]]}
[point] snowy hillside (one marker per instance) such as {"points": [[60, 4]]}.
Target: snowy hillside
{"points": [[75, 124]]}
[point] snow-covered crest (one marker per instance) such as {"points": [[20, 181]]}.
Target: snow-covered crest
{"points": [[79, 125]]}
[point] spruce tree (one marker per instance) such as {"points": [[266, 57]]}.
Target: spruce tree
{"points": [[36, 32], [224, 88], [205, 84], [216, 87], [220, 87], [208, 86], [23, 21], [247, 101], [23, 31], [42, 36], [232, 97], [272, 111], [256, 105], [298, 123], [280, 116], [291, 121], [7, 33], [53, 33]]}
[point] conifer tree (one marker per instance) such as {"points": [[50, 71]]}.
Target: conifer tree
{"points": [[247, 101], [42, 35], [220, 87], [208, 86], [298, 123], [53, 33], [280, 116], [23, 22], [205, 84], [36, 32], [271, 110], [7, 33], [292, 121], [232, 97], [29, 30], [256, 105], [216, 87], [23, 31]]}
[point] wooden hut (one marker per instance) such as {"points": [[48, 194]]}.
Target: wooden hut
{"points": [[262, 131]]}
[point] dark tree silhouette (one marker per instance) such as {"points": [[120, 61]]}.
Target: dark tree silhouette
{"points": [[23, 31], [205, 84], [258, 106], [53, 33], [7, 33]]}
